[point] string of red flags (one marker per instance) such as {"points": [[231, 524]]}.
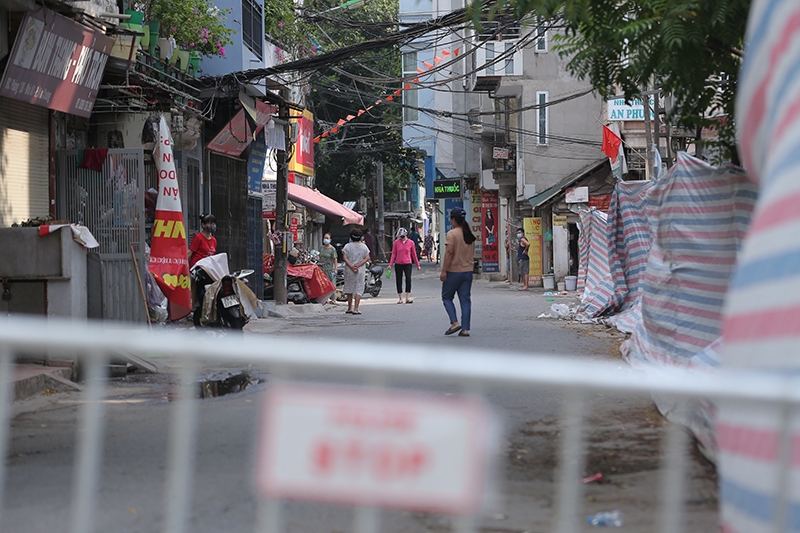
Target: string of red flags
{"points": [[437, 60]]}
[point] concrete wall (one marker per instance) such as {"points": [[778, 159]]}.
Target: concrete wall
{"points": [[47, 274]]}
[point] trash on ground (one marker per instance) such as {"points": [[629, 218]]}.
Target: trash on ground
{"points": [[548, 293], [596, 477], [606, 519], [559, 310], [544, 315], [550, 299]]}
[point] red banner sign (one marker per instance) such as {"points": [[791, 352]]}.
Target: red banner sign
{"points": [[56, 63], [489, 231], [168, 251], [601, 202]]}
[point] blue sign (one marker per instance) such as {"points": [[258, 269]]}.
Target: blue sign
{"points": [[255, 163], [449, 204]]}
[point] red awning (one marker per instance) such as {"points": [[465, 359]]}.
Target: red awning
{"points": [[317, 201], [237, 135]]}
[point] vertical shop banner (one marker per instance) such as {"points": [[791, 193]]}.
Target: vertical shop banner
{"points": [[255, 164], [476, 223], [449, 204], [302, 160], [168, 262], [489, 205], [533, 232]]}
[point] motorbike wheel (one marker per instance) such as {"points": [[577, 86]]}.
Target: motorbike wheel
{"points": [[376, 289]]}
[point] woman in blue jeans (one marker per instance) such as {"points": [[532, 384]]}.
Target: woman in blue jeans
{"points": [[456, 273]]}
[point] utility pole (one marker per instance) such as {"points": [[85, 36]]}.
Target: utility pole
{"points": [[648, 136], [381, 226], [281, 209]]}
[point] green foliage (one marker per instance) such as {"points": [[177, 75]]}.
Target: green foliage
{"points": [[689, 48], [345, 161], [196, 25]]}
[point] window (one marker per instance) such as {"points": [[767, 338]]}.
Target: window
{"points": [[500, 29], [253, 26], [541, 118], [410, 96], [541, 36], [510, 64]]}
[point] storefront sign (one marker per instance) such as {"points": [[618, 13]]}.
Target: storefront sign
{"points": [[499, 152], [237, 135], [533, 232], [577, 195], [449, 188], [449, 204], [255, 164], [559, 220], [618, 109], [489, 231], [269, 190], [601, 202], [56, 63], [294, 224], [168, 261], [476, 223], [302, 161]]}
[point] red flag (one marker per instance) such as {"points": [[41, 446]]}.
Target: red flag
{"points": [[427, 65], [445, 53], [168, 262], [611, 142]]}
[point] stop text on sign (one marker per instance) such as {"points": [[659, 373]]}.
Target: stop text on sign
{"points": [[367, 447]]}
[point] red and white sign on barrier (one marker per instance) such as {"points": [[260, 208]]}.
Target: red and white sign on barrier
{"points": [[374, 448]]}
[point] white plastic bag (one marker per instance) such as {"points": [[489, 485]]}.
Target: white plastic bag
{"points": [[559, 310]]}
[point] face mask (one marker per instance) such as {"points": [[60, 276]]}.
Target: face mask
{"points": [[212, 228], [326, 241], [519, 235]]}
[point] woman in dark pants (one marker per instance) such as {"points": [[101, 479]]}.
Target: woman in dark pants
{"points": [[456, 273], [404, 253]]}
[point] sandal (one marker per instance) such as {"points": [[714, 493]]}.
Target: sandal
{"points": [[356, 312], [409, 301], [348, 312], [452, 330]]}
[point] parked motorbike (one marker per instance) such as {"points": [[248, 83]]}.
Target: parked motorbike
{"points": [[224, 299], [373, 281]]}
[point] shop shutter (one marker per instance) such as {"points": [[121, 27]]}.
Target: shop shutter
{"points": [[24, 156]]}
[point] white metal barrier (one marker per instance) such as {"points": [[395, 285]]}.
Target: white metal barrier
{"points": [[285, 357]]}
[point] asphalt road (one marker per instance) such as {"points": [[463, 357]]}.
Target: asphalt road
{"points": [[623, 440]]}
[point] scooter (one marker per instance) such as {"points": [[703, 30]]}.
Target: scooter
{"points": [[373, 281], [225, 300]]}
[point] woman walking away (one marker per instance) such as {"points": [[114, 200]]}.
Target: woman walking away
{"points": [[523, 259], [404, 253], [356, 255], [429, 247], [328, 261], [457, 272]]}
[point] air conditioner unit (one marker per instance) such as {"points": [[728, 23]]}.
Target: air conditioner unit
{"points": [[400, 207]]}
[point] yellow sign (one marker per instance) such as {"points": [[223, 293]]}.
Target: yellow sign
{"points": [[559, 220], [533, 232]]}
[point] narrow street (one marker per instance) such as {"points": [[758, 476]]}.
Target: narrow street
{"points": [[623, 439]]}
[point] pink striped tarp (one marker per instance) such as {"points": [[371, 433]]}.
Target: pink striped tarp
{"points": [[761, 328]]}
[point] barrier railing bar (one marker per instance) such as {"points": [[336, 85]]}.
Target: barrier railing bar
{"points": [[782, 490], [6, 375], [90, 448], [571, 463], [674, 466], [424, 361], [182, 451], [367, 520], [268, 518]]}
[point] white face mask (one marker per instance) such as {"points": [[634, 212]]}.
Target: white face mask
{"points": [[326, 241], [519, 235]]}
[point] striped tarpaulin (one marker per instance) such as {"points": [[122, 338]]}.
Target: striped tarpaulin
{"points": [[761, 327], [698, 217], [598, 294]]}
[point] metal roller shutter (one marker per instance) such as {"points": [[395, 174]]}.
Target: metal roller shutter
{"points": [[24, 169]]}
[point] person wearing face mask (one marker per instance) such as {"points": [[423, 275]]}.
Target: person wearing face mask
{"points": [[204, 243], [328, 261], [456, 276], [523, 259], [404, 254]]}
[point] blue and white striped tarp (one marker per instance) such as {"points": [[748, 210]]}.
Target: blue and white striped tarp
{"points": [[761, 330], [698, 215], [595, 266]]}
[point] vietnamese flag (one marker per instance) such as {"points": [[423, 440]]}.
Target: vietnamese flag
{"points": [[611, 142], [168, 250]]}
